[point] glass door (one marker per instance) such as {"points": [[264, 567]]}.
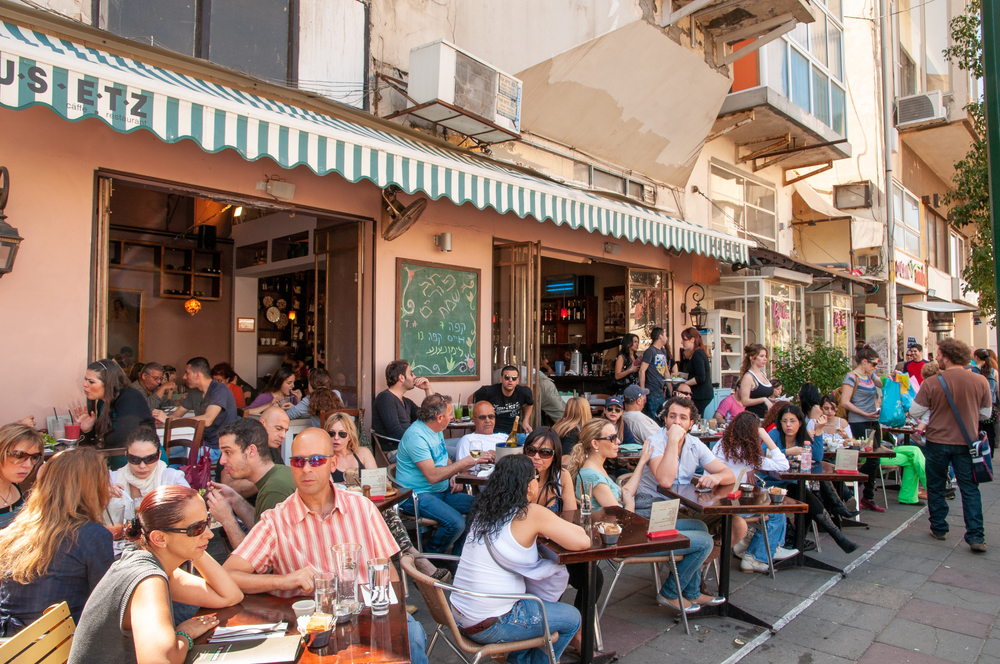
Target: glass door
{"points": [[649, 296], [335, 310], [517, 294]]}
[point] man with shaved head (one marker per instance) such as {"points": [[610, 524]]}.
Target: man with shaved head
{"points": [[276, 422], [293, 541], [484, 417]]}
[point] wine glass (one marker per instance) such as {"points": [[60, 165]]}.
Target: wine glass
{"points": [[476, 451]]}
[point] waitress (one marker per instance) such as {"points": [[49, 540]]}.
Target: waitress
{"points": [[755, 388], [699, 369], [860, 398], [112, 412]]}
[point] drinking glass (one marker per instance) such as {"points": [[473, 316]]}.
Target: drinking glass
{"points": [[325, 592], [476, 451], [458, 411], [347, 557], [114, 519], [585, 503], [870, 437], [378, 584], [352, 477]]}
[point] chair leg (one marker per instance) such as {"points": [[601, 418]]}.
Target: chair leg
{"points": [[416, 518], [881, 479], [819, 549], [597, 633], [680, 594], [767, 543], [611, 589], [656, 576]]}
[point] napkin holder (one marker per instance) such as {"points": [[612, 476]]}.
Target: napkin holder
{"points": [[662, 534]]}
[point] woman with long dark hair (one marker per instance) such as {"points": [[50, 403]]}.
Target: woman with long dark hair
{"points": [[506, 518], [57, 547], [280, 390], [321, 399], [790, 436], [143, 471], [113, 411], [698, 367], [170, 528], [810, 400], [860, 398], [754, 387], [986, 366], [627, 364], [740, 449]]}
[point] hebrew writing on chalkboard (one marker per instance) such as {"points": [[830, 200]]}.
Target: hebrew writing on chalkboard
{"points": [[438, 324]]}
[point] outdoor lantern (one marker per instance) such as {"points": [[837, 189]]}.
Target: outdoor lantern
{"points": [[9, 239], [698, 315], [192, 306]]}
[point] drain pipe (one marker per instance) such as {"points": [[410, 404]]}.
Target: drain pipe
{"points": [[888, 99]]}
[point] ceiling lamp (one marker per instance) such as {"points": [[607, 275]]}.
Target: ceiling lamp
{"points": [[192, 306]]}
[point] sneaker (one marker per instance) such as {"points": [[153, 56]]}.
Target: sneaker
{"points": [[869, 505], [978, 547], [741, 547], [938, 537], [949, 493], [784, 554], [672, 604], [749, 564], [922, 494]]}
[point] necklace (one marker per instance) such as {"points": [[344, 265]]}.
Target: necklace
{"points": [[7, 500]]}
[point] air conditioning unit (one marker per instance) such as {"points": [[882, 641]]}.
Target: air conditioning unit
{"points": [[455, 89], [921, 109]]}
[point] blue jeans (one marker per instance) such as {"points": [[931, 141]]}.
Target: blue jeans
{"points": [[418, 640], [449, 510], [524, 621], [775, 534], [695, 556], [938, 457], [654, 402]]}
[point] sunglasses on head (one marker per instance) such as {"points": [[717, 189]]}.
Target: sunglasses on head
{"points": [[148, 460], [19, 457], [339, 434], [315, 460], [193, 530], [531, 450]]}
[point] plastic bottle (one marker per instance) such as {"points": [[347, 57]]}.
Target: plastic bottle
{"points": [[806, 460]]}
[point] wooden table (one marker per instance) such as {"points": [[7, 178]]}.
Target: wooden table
{"points": [[631, 542], [470, 479], [391, 501], [905, 432], [362, 640], [461, 427], [708, 438], [715, 502], [825, 473]]}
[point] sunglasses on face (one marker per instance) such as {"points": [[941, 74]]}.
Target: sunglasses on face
{"points": [[510, 377], [531, 450], [148, 460], [338, 434], [17, 456], [315, 460], [486, 417], [609, 438], [613, 409], [194, 530]]}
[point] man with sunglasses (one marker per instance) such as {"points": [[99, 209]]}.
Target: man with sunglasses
{"points": [[509, 400], [485, 421], [245, 456], [293, 541]]}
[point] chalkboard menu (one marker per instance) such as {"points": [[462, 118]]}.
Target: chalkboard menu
{"points": [[438, 319]]}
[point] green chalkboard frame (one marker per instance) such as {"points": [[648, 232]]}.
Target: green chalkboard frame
{"points": [[476, 273]]}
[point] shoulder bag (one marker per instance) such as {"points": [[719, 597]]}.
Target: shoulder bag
{"points": [[982, 462]]}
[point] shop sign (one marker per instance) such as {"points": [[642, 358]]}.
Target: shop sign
{"points": [[911, 273], [840, 319]]}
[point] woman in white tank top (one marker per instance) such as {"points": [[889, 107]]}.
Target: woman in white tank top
{"points": [[506, 514]]}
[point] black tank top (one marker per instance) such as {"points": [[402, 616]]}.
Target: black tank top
{"points": [[759, 391], [338, 475]]}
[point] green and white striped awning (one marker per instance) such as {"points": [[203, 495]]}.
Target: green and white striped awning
{"points": [[79, 82]]}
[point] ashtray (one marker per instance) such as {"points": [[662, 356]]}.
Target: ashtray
{"points": [[747, 488]]}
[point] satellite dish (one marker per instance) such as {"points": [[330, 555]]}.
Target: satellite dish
{"points": [[939, 307], [397, 219]]}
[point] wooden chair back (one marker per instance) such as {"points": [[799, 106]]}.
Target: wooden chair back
{"points": [[184, 423], [47, 640], [381, 459]]}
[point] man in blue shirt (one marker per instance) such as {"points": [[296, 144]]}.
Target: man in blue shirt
{"points": [[422, 466]]}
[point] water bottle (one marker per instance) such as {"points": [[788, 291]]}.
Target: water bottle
{"points": [[806, 459]]}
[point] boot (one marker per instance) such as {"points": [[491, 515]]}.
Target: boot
{"points": [[846, 545], [833, 503]]}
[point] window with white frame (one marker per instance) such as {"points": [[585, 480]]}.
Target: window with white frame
{"points": [[906, 215], [743, 206], [958, 255], [807, 66], [922, 30], [619, 184]]}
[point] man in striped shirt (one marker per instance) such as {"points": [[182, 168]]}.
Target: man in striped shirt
{"points": [[292, 541]]}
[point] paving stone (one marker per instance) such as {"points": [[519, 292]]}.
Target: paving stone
{"points": [[963, 579], [765, 603], [828, 637], [790, 654], [624, 637], [904, 561], [887, 576], [941, 643], [962, 597], [881, 653], [951, 618], [988, 659], [854, 614], [932, 549], [870, 593], [991, 647]]}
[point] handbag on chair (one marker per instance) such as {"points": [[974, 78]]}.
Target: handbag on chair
{"points": [[982, 460]]}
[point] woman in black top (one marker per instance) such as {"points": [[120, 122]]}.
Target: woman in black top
{"points": [[113, 410], [699, 369], [755, 388], [627, 364]]}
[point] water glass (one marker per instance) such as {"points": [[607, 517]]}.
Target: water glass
{"points": [[585, 504], [347, 557], [325, 592], [378, 584]]}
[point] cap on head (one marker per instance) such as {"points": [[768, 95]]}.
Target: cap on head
{"points": [[633, 392], [614, 401]]}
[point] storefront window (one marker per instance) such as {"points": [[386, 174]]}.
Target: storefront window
{"points": [[772, 319], [165, 23], [649, 306], [817, 314], [906, 213], [841, 313]]}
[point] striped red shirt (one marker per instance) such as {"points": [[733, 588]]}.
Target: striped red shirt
{"points": [[290, 537]]}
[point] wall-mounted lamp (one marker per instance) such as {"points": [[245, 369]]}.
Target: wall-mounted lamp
{"points": [[444, 241], [699, 315], [612, 248], [192, 306], [9, 239], [238, 212], [291, 315]]}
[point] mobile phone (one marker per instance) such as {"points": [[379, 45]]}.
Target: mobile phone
{"points": [[702, 489]]}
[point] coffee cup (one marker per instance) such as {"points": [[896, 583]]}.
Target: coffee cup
{"points": [[304, 608]]}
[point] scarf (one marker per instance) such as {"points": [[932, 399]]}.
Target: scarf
{"points": [[125, 477]]}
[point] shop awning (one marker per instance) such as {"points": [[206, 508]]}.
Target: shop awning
{"points": [[79, 82]]}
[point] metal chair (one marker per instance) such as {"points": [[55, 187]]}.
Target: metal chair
{"points": [[418, 523], [761, 520], [381, 458], [440, 610], [618, 564], [47, 640]]}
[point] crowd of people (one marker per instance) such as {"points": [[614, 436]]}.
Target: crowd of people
{"points": [[280, 517]]}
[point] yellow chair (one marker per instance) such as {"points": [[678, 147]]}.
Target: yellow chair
{"points": [[47, 640]]}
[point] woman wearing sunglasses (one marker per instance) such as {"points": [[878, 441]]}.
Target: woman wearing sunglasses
{"points": [[613, 410], [143, 471], [598, 443], [860, 398], [20, 451], [56, 549], [170, 528], [351, 456]]}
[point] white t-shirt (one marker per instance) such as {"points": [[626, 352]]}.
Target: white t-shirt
{"points": [[694, 454], [489, 442], [774, 460], [641, 425]]}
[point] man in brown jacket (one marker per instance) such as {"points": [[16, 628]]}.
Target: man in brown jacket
{"points": [[945, 444]]}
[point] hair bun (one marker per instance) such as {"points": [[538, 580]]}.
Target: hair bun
{"points": [[133, 529]]}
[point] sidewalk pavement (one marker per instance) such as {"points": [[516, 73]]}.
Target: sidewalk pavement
{"points": [[915, 600]]}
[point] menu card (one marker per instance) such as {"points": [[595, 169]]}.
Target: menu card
{"points": [[376, 479], [847, 461], [663, 518]]}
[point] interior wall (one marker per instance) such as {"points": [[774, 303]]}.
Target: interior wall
{"points": [[606, 275]]}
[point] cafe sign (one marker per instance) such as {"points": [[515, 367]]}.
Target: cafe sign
{"points": [[911, 273]]}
